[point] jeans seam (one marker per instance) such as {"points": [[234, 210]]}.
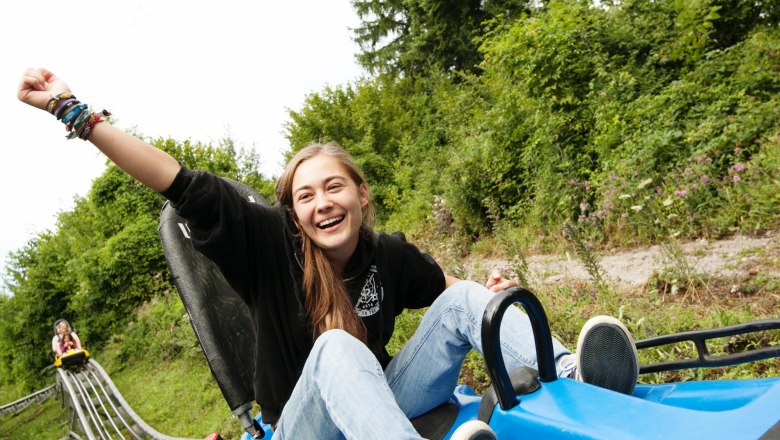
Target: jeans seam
{"points": [[298, 413], [419, 346], [511, 350]]}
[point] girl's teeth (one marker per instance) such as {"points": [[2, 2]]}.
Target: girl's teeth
{"points": [[330, 221]]}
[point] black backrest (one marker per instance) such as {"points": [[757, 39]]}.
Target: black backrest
{"points": [[218, 315]]}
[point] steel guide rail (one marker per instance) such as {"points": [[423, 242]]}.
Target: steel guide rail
{"points": [[20, 405], [98, 405]]}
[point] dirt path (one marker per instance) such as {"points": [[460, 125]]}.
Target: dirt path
{"points": [[633, 268]]}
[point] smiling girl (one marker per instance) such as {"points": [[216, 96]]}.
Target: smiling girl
{"points": [[324, 290]]}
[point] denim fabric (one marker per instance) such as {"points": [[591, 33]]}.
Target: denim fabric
{"points": [[343, 392]]}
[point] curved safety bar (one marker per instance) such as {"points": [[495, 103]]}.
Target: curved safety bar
{"points": [[705, 359], [491, 341]]}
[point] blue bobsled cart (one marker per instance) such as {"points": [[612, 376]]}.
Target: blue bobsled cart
{"points": [[523, 403]]}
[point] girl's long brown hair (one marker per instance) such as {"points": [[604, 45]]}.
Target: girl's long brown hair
{"points": [[327, 301]]}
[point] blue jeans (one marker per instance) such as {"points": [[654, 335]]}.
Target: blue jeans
{"points": [[343, 392]]}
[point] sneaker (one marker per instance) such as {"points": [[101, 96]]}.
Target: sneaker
{"points": [[606, 355], [474, 430]]}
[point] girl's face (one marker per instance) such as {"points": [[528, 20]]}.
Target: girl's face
{"points": [[62, 329], [329, 206]]}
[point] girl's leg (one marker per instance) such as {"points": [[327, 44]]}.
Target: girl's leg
{"points": [[342, 393], [424, 373]]}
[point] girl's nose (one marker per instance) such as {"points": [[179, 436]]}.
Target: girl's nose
{"points": [[324, 202]]}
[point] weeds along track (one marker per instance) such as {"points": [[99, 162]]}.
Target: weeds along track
{"points": [[96, 409]]}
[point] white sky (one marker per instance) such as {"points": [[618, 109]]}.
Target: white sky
{"points": [[187, 69]]}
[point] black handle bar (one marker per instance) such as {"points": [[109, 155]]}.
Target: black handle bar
{"points": [[491, 342]]}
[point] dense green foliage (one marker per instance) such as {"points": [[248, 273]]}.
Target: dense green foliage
{"points": [[638, 119], [620, 122]]}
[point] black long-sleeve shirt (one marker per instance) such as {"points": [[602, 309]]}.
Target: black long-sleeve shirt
{"points": [[255, 247]]}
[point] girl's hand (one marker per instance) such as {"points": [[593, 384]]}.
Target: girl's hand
{"points": [[38, 86], [496, 282]]}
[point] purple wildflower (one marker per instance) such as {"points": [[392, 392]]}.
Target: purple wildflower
{"points": [[738, 167], [681, 193]]}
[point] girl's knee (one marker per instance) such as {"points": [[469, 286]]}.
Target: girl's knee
{"points": [[335, 345], [334, 339], [337, 351]]}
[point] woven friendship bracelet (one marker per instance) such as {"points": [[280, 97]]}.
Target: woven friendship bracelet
{"points": [[84, 129], [87, 128]]}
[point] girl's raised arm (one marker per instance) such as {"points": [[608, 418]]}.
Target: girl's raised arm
{"points": [[147, 164]]}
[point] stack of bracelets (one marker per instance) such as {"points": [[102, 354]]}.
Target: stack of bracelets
{"points": [[78, 119]]}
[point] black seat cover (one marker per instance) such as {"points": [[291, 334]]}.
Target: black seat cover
{"points": [[218, 315]]}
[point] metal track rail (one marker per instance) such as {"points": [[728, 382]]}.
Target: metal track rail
{"points": [[98, 410], [20, 405]]}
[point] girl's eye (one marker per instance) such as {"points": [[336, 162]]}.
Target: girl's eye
{"points": [[335, 186], [304, 197]]}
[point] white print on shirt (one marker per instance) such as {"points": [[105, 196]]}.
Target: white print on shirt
{"points": [[370, 296]]}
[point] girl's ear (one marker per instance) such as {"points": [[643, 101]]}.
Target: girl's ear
{"points": [[363, 195]]}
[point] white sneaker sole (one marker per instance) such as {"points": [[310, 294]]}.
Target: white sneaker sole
{"points": [[607, 356]]}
